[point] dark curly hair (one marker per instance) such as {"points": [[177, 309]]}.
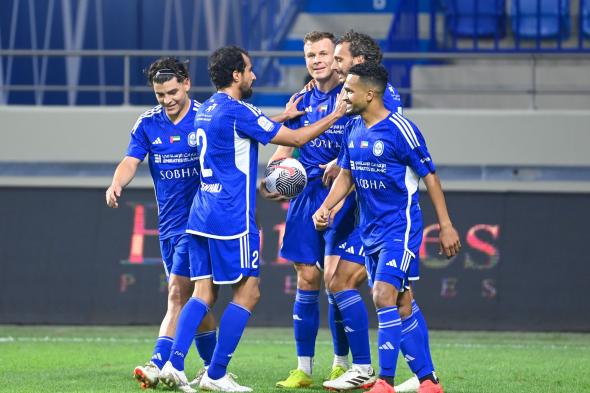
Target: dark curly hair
{"points": [[371, 73], [362, 45], [166, 68], [222, 64]]}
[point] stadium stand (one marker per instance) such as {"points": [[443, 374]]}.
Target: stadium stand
{"points": [[533, 19], [468, 18]]}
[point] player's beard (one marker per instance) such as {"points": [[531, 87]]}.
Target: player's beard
{"points": [[246, 92]]}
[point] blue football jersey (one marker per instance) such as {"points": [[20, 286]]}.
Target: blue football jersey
{"points": [[386, 163], [228, 132], [325, 147], [392, 100], [173, 163]]}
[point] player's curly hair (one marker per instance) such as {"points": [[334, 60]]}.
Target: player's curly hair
{"points": [[362, 45], [222, 64], [166, 68], [371, 73], [315, 36]]}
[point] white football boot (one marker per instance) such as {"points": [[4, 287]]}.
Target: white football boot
{"points": [[354, 378], [227, 383], [175, 379], [147, 375], [410, 385]]}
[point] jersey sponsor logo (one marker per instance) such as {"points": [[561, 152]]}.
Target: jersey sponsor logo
{"points": [[174, 138], [157, 141], [213, 188], [192, 139], [157, 158], [265, 123], [378, 148], [323, 143], [176, 158], [181, 173], [370, 184]]}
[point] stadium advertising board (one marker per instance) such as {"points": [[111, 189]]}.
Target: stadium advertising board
{"points": [[68, 259]]}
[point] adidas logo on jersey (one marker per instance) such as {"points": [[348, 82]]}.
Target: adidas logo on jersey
{"points": [[157, 141], [387, 346], [391, 263], [351, 145]]}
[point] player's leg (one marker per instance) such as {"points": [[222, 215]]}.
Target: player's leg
{"points": [[341, 240], [179, 289], [303, 245], [344, 287], [385, 273], [237, 263], [339, 340], [193, 312]]}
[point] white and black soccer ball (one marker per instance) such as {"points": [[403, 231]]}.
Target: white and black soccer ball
{"points": [[285, 176]]}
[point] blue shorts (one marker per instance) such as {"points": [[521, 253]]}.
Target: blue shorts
{"points": [[395, 263], [302, 243], [352, 249], [175, 255], [226, 261]]}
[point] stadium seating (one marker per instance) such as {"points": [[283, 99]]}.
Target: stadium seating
{"points": [[586, 17], [476, 18], [534, 19]]}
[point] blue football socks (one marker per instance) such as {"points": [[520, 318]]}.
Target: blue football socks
{"points": [[205, 343], [336, 327], [306, 321], [231, 326], [424, 329], [356, 324], [412, 347], [162, 351], [190, 318], [389, 337]]}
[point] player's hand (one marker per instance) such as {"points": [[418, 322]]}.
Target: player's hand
{"points": [[331, 170], [450, 245], [341, 104], [113, 192], [271, 196], [335, 210], [310, 85], [321, 218], [291, 111]]}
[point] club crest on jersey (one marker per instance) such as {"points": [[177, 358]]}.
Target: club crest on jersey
{"points": [[192, 139], [378, 148], [175, 138]]}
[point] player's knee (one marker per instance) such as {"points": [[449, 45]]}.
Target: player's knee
{"points": [[308, 277], [405, 310], [384, 296], [176, 298]]}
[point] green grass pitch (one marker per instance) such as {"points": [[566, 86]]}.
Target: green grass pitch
{"points": [[101, 359]]}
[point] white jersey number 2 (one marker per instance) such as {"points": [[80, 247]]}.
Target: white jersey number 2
{"points": [[202, 141]]}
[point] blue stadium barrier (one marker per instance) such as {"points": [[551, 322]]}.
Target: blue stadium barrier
{"points": [[480, 18], [541, 19]]}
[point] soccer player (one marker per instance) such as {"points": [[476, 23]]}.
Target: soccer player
{"points": [[351, 49], [166, 134], [384, 156], [224, 246]]}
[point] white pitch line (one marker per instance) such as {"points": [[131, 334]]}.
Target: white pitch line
{"points": [[120, 340]]}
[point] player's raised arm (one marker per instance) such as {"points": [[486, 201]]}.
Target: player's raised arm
{"points": [[299, 137], [124, 173], [449, 238], [340, 189]]}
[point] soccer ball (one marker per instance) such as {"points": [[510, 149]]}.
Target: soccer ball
{"points": [[285, 176]]}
